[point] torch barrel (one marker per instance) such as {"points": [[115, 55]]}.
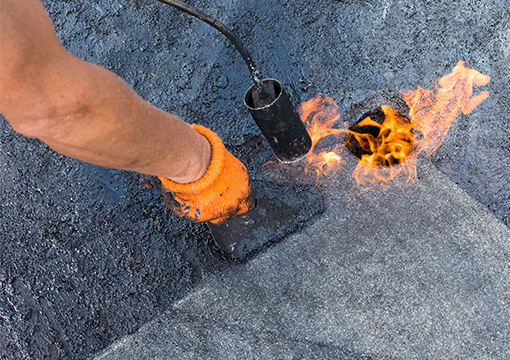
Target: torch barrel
{"points": [[279, 123]]}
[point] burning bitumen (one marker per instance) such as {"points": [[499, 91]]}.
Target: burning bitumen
{"points": [[388, 134], [383, 131]]}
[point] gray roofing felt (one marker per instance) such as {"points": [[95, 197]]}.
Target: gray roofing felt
{"points": [[92, 260]]}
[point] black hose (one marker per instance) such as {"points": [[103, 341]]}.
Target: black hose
{"points": [[199, 14]]}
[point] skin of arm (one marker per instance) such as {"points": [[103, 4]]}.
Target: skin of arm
{"points": [[84, 111]]}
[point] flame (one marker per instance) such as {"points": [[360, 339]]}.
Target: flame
{"points": [[319, 115], [392, 146], [432, 115], [400, 141]]}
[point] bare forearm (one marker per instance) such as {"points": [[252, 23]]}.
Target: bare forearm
{"points": [[116, 128], [82, 110], [112, 126]]}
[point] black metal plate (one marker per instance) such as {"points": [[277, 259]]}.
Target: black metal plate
{"points": [[281, 210]]}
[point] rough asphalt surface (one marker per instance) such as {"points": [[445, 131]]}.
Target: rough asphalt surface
{"points": [[94, 266]]}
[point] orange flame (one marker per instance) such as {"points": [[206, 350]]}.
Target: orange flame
{"points": [[391, 147], [319, 115], [433, 115], [399, 142]]}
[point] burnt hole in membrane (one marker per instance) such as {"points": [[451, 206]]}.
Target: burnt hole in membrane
{"points": [[368, 138]]}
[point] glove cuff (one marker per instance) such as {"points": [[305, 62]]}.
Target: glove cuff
{"points": [[213, 171]]}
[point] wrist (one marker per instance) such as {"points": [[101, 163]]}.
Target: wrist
{"points": [[197, 165], [214, 164]]}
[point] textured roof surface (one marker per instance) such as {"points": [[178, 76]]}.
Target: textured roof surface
{"points": [[93, 265]]}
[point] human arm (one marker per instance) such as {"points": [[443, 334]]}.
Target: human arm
{"points": [[84, 111]]}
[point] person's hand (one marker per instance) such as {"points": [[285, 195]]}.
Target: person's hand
{"points": [[222, 193]]}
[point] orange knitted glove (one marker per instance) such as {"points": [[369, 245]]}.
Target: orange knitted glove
{"points": [[223, 192]]}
